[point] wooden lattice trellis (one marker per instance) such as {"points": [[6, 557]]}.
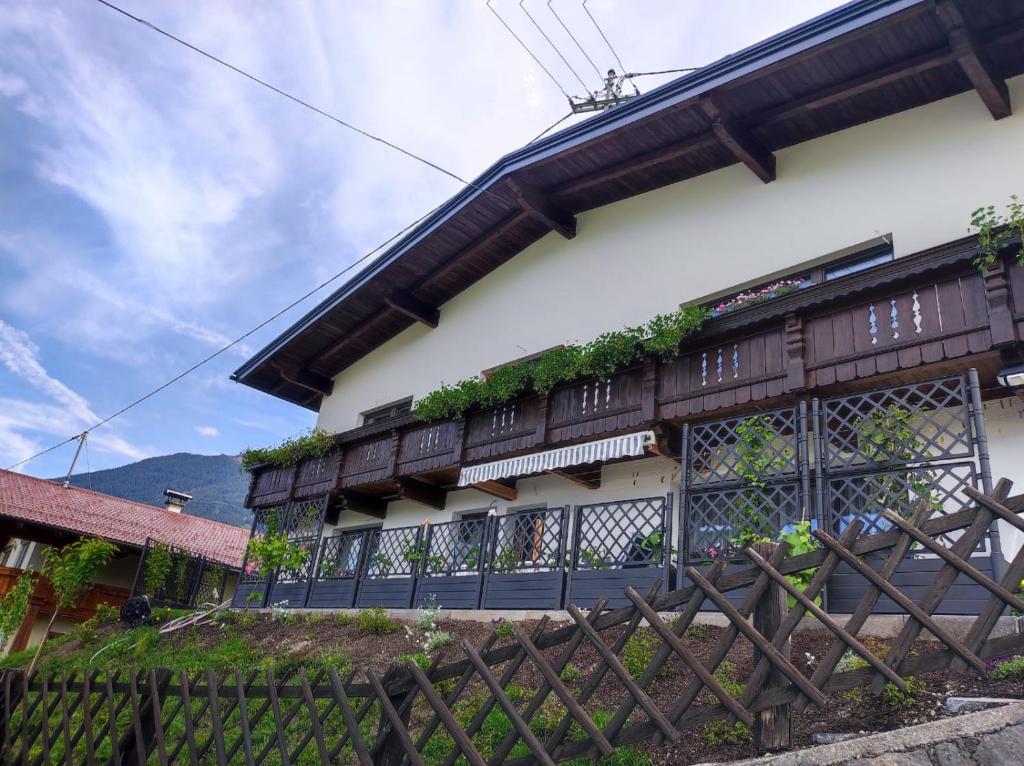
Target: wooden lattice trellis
{"points": [[256, 718]]}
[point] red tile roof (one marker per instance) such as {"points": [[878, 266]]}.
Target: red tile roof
{"points": [[85, 512]]}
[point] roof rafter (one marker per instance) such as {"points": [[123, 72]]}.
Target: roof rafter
{"points": [[414, 308], [974, 60], [541, 207], [738, 140]]}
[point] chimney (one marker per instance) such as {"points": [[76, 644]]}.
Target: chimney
{"points": [[175, 500]]}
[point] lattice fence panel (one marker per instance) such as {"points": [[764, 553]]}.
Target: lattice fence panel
{"points": [[529, 540], [621, 534], [455, 547], [722, 452], [716, 519], [394, 552], [340, 556]]}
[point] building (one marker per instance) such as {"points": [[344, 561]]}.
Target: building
{"points": [[814, 192], [36, 513]]}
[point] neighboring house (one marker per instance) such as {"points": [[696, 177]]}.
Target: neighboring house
{"points": [[814, 192], [36, 513]]}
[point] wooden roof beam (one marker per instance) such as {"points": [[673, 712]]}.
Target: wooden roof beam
{"points": [[974, 60], [587, 476], [541, 207], [309, 380], [423, 493], [500, 489], [739, 141], [414, 308], [360, 502]]}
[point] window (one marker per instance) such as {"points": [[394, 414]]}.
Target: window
{"points": [[841, 267], [387, 412], [860, 262]]}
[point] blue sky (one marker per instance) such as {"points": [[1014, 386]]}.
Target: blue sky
{"points": [[154, 205]]}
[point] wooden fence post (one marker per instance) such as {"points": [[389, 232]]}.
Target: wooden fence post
{"points": [[772, 725], [397, 682], [137, 743]]}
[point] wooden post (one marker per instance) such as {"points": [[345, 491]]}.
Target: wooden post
{"points": [[397, 683], [772, 725]]}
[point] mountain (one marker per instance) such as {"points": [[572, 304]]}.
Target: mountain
{"points": [[217, 484]]}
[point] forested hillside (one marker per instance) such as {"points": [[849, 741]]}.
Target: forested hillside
{"points": [[216, 482]]}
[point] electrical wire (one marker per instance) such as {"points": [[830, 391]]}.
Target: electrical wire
{"points": [[528, 51], [522, 7], [290, 97], [235, 342], [573, 38], [551, 127], [607, 42]]}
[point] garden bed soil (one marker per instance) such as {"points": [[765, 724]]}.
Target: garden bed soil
{"points": [[329, 640]]}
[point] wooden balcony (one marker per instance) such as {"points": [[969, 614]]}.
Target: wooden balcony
{"points": [[911, 317]]}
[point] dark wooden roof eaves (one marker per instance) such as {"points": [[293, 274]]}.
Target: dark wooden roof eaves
{"points": [[450, 250]]}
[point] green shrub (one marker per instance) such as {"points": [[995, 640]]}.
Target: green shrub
{"points": [[896, 701], [728, 676], [419, 658], [107, 613], [571, 674], [503, 628], [718, 733], [437, 639], [851, 661], [1011, 668], [637, 654], [343, 619], [698, 631], [375, 621]]}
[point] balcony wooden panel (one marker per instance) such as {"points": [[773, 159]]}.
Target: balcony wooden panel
{"points": [[271, 486], [744, 370], [317, 476], [596, 407], [367, 462], [502, 431], [932, 322], [430, 447]]}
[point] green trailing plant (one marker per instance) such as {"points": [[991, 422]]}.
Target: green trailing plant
{"points": [[608, 353], [158, 567], [727, 674], [637, 654], [995, 231], [71, 571], [273, 550], [314, 443], [756, 461], [887, 435], [801, 541], [14, 606]]}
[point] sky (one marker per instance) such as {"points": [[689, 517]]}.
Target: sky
{"points": [[155, 205]]}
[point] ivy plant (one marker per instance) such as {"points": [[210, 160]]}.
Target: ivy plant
{"points": [[14, 606], [273, 551], [158, 567], [608, 353], [315, 443], [756, 460], [800, 541], [995, 231]]}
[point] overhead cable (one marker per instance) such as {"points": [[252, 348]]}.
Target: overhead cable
{"points": [[536, 60], [522, 7], [597, 71], [622, 67]]}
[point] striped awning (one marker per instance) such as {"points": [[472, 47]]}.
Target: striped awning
{"points": [[578, 454]]}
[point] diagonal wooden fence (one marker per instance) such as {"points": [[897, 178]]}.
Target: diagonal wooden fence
{"points": [[419, 716]]}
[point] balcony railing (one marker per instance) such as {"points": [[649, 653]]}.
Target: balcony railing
{"points": [[915, 311]]}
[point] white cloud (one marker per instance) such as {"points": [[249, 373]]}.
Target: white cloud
{"points": [[207, 431], [23, 423]]}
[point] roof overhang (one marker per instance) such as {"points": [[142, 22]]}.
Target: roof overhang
{"points": [[725, 113]]}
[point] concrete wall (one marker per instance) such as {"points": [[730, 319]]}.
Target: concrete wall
{"points": [[917, 175]]}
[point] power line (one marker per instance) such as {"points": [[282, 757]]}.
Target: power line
{"points": [[528, 51], [551, 127], [522, 7], [290, 97], [233, 343], [551, 8], [663, 71], [607, 42]]}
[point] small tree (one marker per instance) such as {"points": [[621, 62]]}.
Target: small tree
{"points": [[14, 607], [72, 571]]}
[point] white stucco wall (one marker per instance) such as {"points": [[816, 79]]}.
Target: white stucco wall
{"points": [[1004, 425], [917, 175]]}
